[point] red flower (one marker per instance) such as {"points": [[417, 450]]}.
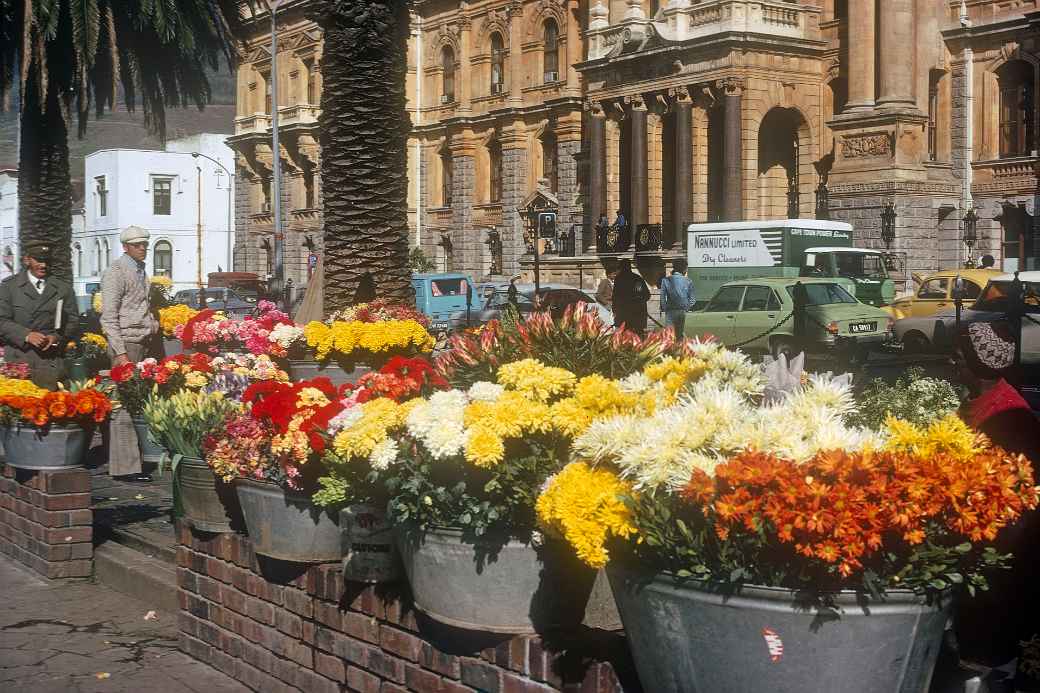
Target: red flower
{"points": [[188, 335], [201, 363], [122, 372]]}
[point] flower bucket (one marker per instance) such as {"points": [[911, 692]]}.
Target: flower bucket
{"points": [[288, 526], [483, 585], [172, 346], [56, 448], [209, 504], [307, 369], [686, 639], [151, 453], [369, 552]]}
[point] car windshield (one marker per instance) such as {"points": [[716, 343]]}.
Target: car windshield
{"points": [[861, 265], [994, 297], [823, 294], [449, 287]]}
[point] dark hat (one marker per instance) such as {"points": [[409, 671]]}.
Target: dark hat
{"points": [[37, 250]]}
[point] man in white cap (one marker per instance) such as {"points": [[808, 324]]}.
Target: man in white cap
{"points": [[126, 315], [133, 335]]}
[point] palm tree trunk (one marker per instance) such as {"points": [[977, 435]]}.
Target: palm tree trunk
{"points": [[44, 188], [364, 135]]}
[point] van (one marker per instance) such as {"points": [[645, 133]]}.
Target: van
{"points": [[439, 295]]}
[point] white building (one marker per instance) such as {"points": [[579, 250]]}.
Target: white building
{"points": [[183, 200], [9, 256]]}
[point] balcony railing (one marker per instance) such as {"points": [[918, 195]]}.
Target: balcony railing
{"points": [[298, 113], [258, 122]]}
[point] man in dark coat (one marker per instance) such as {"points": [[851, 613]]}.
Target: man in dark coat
{"points": [[38, 317], [631, 295]]}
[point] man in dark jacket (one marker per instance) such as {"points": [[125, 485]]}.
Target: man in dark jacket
{"points": [[38, 316], [631, 295]]}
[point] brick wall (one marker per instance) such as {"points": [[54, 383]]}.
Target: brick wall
{"points": [[46, 521], [309, 631]]}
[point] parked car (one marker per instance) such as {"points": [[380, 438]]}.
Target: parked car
{"points": [[221, 298], [936, 292], [760, 310], [553, 297], [920, 334]]}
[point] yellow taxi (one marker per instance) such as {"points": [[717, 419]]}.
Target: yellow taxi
{"points": [[936, 292]]}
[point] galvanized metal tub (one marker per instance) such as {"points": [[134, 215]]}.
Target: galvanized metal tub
{"points": [[685, 639], [307, 369], [59, 447], [288, 526], [151, 452], [209, 504], [369, 550], [484, 585]]}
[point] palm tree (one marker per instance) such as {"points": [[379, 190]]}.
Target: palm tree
{"points": [[70, 56], [364, 135]]}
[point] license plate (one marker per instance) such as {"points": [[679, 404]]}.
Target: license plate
{"points": [[861, 327]]}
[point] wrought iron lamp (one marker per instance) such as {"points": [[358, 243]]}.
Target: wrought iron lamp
{"points": [[971, 231], [888, 225], [823, 208]]}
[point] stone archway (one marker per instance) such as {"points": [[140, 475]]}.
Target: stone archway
{"points": [[784, 164]]}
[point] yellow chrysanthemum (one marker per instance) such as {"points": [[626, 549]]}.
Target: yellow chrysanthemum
{"points": [[378, 417], [675, 373], [344, 338], [16, 387], [95, 339], [312, 397], [484, 448], [533, 378], [173, 316], [584, 506]]}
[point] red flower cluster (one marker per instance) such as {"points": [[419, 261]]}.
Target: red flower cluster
{"points": [[62, 407], [400, 379], [278, 404], [188, 335], [841, 507]]}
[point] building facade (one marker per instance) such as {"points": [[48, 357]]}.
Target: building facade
{"points": [[184, 201], [10, 259], [675, 112]]}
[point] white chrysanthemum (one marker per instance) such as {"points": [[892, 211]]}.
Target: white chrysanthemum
{"points": [[345, 419], [445, 441], [635, 382], [449, 400], [484, 391], [606, 438], [830, 393], [383, 454]]}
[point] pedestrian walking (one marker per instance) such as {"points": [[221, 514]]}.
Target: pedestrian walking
{"points": [[38, 317], [605, 290], [630, 297], [513, 294], [677, 297], [133, 335]]}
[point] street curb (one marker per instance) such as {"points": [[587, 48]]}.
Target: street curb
{"points": [[148, 579]]}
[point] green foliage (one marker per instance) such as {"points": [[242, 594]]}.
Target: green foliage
{"points": [[418, 261], [913, 397]]}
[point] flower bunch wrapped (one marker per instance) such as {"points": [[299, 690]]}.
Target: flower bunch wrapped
{"points": [[252, 367], [241, 447], [379, 311], [42, 408], [256, 332], [172, 317], [726, 490], [399, 379], [181, 421], [367, 342], [210, 331], [137, 382]]}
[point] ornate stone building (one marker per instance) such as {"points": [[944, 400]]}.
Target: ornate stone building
{"points": [[675, 111]]}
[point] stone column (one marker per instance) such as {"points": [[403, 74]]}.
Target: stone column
{"points": [[516, 52], [683, 176], [568, 149], [732, 151], [573, 52], [640, 192], [597, 181], [515, 160], [861, 55], [896, 79], [465, 252], [463, 79]]}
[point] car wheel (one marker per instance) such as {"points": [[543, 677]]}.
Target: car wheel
{"points": [[783, 346], [916, 343]]}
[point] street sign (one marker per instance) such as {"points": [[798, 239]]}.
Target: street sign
{"points": [[547, 225]]}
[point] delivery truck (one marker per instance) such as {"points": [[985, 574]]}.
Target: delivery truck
{"points": [[731, 251]]}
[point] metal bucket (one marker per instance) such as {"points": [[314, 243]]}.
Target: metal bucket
{"points": [[486, 586], [288, 526], [209, 504], [151, 452], [305, 370], [60, 447], [689, 640], [369, 552]]}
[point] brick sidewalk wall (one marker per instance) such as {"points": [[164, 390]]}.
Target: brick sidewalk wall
{"points": [[309, 631], [46, 521]]}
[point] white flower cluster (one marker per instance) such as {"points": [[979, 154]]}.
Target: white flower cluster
{"points": [[484, 391], [729, 368], [285, 335], [714, 421], [438, 423]]}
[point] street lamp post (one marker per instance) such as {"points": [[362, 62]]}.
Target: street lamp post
{"points": [[823, 209], [231, 179], [888, 225]]}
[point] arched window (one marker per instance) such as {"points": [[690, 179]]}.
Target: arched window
{"points": [[98, 267], [106, 253], [498, 61], [448, 80], [551, 55], [550, 162], [162, 259], [495, 171], [77, 259], [1017, 108], [447, 178]]}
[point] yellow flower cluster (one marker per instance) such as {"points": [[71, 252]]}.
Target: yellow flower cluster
{"points": [[489, 424], [378, 417], [533, 378], [675, 374], [95, 339], [594, 397], [15, 387], [949, 435], [584, 506], [170, 318], [344, 338]]}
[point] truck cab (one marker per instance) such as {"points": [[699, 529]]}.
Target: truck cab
{"points": [[862, 272], [439, 295]]}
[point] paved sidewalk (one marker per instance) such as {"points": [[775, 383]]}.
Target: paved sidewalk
{"points": [[81, 637]]}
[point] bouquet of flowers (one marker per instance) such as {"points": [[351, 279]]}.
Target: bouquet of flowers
{"points": [[256, 332], [379, 311], [725, 489], [137, 382], [367, 342], [42, 408], [172, 317], [15, 371], [181, 421], [210, 331], [89, 346], [399, 379]]}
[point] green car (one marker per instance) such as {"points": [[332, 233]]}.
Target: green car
{"points": [[757, 315]]}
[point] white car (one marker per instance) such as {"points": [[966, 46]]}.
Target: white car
{"points": [[990, 306]]}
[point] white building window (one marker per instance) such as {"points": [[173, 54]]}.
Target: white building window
{"points": [[162, 196], [98, 267], [162, 259], [106, 252], [101, 195]]}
